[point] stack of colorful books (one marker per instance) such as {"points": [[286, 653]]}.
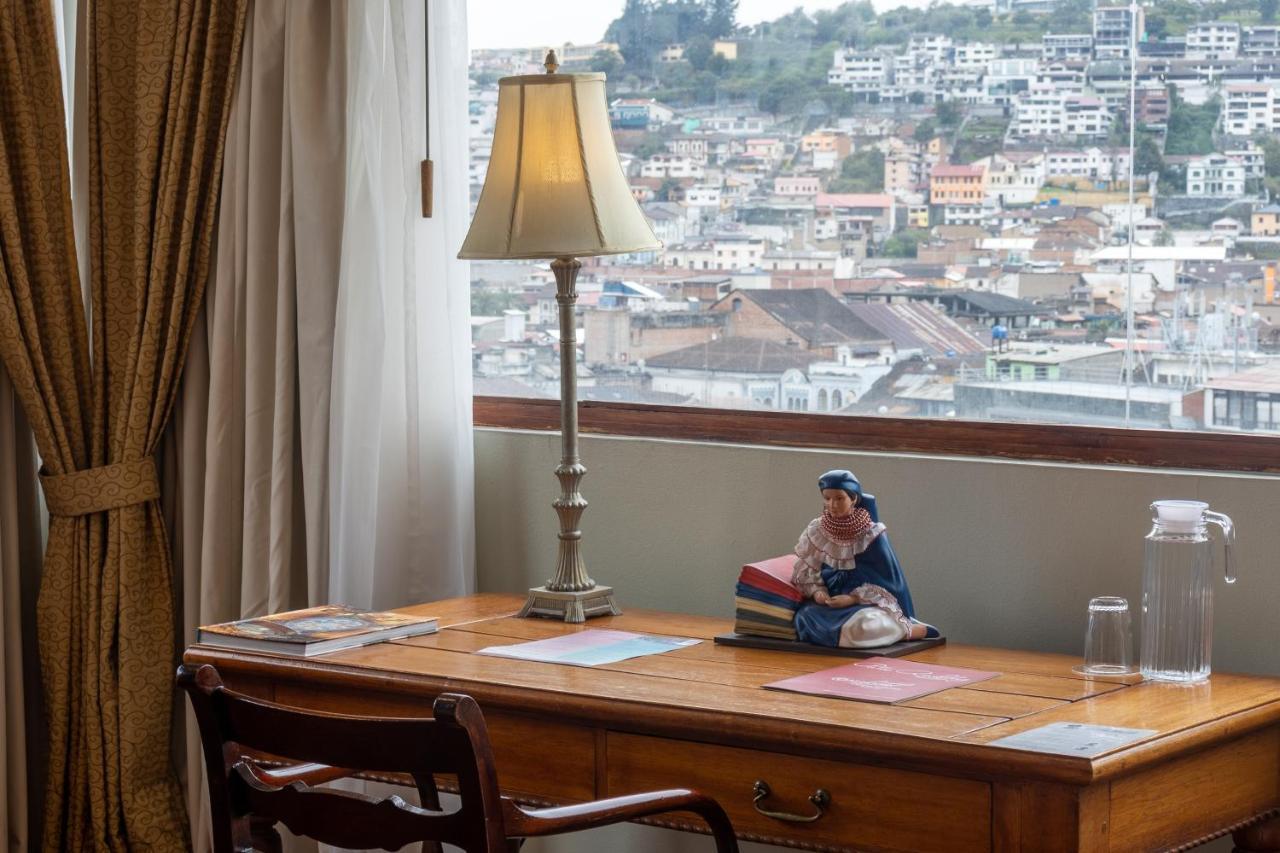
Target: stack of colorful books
{"points": [[765, 602]]}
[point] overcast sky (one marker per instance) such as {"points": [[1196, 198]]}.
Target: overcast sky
{"points": [[534, 23]]}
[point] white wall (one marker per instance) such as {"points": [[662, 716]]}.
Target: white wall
{"points": [[999, 553]]}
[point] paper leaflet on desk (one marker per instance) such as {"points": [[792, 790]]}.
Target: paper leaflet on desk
{"points": [[881, 680], [591, 647], [1079, 739]]}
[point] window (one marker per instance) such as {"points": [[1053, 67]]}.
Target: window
{"points": [[925, 190]]}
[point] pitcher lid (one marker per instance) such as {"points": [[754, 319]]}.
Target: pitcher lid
{"points": [[1179, 515]]}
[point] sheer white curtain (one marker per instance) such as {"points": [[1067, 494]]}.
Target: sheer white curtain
{"points": [[323, 442], [400, 454]]}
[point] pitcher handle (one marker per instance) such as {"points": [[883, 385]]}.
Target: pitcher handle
{"points": [[1228, 541]]}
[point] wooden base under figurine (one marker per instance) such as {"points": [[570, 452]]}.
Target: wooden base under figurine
{"points": [[905, 647]]}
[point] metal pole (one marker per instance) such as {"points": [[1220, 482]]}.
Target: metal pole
{"points": [[1133, 158]]}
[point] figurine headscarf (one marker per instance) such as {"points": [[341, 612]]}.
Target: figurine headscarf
{"points": [[842, 480], [848, 483]]}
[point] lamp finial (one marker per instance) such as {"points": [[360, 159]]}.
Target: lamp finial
{"points": [[551, 63]]}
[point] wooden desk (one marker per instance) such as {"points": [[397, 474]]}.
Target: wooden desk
{"points": [[914, 776]]}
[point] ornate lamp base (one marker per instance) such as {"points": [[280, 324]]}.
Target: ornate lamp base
{"points": [[571, 606]]}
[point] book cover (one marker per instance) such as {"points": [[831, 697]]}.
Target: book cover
{"points": [[746, 593], [315, 630], [752, 606], [772, 575], [881, 679]]}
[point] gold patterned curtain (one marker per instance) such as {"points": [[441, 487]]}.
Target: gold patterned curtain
{"points": [[160, 80]]}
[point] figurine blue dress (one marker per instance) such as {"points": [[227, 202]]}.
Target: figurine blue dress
{"points": [[846, 567]]}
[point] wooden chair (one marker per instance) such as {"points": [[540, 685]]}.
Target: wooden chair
{"points": [[234, 726]]}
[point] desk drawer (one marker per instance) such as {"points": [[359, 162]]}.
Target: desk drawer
{"points": [[871, 807]]}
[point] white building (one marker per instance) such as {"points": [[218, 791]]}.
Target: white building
{"points": [[1085, 117], [1215, 175], [1261, 42], [731, 252], [1055, 47], [1253, 158], [1012, 182], [974, 55], [1213, 40], [1250, 108], [797, 260], [706, 196], [689, 146], [861, 72], [1007, 77], [1115, 29], [671, 166], [937, 47], [1038, 112], [1098, 163], [737, 125]]}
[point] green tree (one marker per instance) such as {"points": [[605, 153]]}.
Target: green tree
{"points": [[1267, 9], [491, 303], [697, 52], [1071, 16], [1271, 155], [607, 61], [839, 102], [718, 64], [668, 190], [1191, 127], [904, 244], [950, 113], [722, 18], [925, 131], [1147, 157], [862, 172], [652, 143], [786, 94]]}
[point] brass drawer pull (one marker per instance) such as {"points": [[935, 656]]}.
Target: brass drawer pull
{"points": [[820, 799]]}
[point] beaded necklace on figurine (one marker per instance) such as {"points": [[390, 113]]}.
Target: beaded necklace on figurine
{"points": [[849, 527]]}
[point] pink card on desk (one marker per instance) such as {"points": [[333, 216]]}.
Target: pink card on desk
{"points": [[881, 680]]}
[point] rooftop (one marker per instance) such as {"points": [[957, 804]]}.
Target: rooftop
{"points": [[734, 355], [1054, 354], [1260, 380], [1095, 390], [911, 325], [814, 315], [854, 200], [948, 170]]}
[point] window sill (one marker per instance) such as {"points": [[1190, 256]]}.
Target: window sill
{"points": [[1039, 442]]}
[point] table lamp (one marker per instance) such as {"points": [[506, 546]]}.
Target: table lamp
{"points": [[555, 189]]}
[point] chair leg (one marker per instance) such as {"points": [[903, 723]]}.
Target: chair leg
{"points": [[263, 835], [514, 844], [428, 798]]}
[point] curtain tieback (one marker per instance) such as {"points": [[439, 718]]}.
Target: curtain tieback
{"points": [[101, 489]]}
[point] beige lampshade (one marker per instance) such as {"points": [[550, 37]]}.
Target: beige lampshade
{"points": [[555, 187]]}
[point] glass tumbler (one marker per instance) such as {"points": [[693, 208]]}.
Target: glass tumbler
{"points": [[1108, 645]]}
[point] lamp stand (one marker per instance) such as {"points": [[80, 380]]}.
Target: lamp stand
{"points": [[571, 595]]}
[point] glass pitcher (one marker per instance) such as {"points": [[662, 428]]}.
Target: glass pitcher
{"points": [[1177, 590]]}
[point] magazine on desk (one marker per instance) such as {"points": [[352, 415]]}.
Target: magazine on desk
{"points": [[885, 680], [315, 631]]}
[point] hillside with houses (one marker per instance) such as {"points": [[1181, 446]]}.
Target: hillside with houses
{"points": [[860, 215]]}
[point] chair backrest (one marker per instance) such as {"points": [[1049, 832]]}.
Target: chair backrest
{"points": [[455, 741]]}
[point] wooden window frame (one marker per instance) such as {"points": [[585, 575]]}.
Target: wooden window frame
{"points": [[1195, 450]]}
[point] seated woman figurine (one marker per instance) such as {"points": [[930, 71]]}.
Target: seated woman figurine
{"points": [[846, 566]]}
